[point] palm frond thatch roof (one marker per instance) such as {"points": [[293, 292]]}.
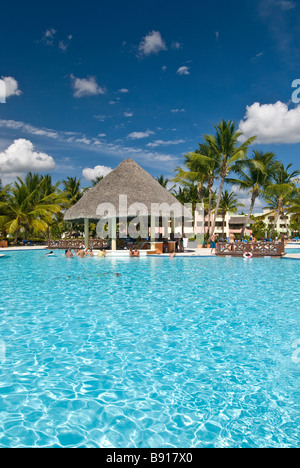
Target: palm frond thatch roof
{"points": [[127, 179]]}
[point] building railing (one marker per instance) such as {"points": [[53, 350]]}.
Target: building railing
{"points": [[257, 249]]}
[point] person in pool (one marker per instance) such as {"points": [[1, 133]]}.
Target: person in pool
{"points": [[69, 254], [213, 244], [81, 253], [102, 253], [136, 253]]}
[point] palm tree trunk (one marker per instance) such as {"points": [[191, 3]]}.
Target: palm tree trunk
{"points": [[253, 200], [276, 217], [286, 224], [16, 237], [223, 226], [210, 187], [217, 206]]}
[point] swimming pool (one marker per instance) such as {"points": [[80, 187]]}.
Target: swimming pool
{"points": [[188, 352]]}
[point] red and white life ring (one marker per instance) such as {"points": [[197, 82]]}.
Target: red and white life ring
{"points": [[248, 255]]}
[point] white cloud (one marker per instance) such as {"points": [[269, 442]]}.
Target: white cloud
{"points": [[84, 141], [176, 46], [97, 171], [123, 91], [175, 111], [114, 149], [272, 123], [128, 114], [86, 87], [257, 57], [286, 5], [184, 71], [153, 43], [157, 143], [20, 157], [48, 36], [17, 125], [140, 135], [64, 45], [8, 87]]}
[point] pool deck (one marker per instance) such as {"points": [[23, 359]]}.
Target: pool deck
{"points": [[294, 256]]}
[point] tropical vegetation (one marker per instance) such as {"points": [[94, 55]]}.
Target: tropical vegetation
{"points": [[221, 165]]}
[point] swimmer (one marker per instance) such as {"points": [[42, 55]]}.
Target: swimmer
{"points": [[172, 254], [136, 253], [81, 253], [50, 254], [102, 253], [69, 254]]}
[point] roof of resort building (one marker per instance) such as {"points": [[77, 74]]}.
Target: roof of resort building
{"points": [[130, 180], [240, 220]]}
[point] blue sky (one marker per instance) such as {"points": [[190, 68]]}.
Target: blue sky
{"points": [[90, 84]]}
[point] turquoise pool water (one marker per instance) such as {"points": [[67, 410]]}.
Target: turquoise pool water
{"points": [[185, 352], [293, 251]]}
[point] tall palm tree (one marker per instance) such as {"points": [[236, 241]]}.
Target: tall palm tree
{"points": [[278, 193], [205, 163], [227, 149], [254, 175], [228, 204]]}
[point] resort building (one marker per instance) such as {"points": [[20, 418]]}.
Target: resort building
{"points": [[282, 225]]}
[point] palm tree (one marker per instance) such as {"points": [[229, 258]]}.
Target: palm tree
{"points": [[29, 207], [189, 194], [200, 169], [97, 180], [204, 164], [4, 194], [51, 193], [73, 193], [254, 175], [72, 190], [278, 193], [225, 145], [294, 206], [162, 181], [228, 204]]}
